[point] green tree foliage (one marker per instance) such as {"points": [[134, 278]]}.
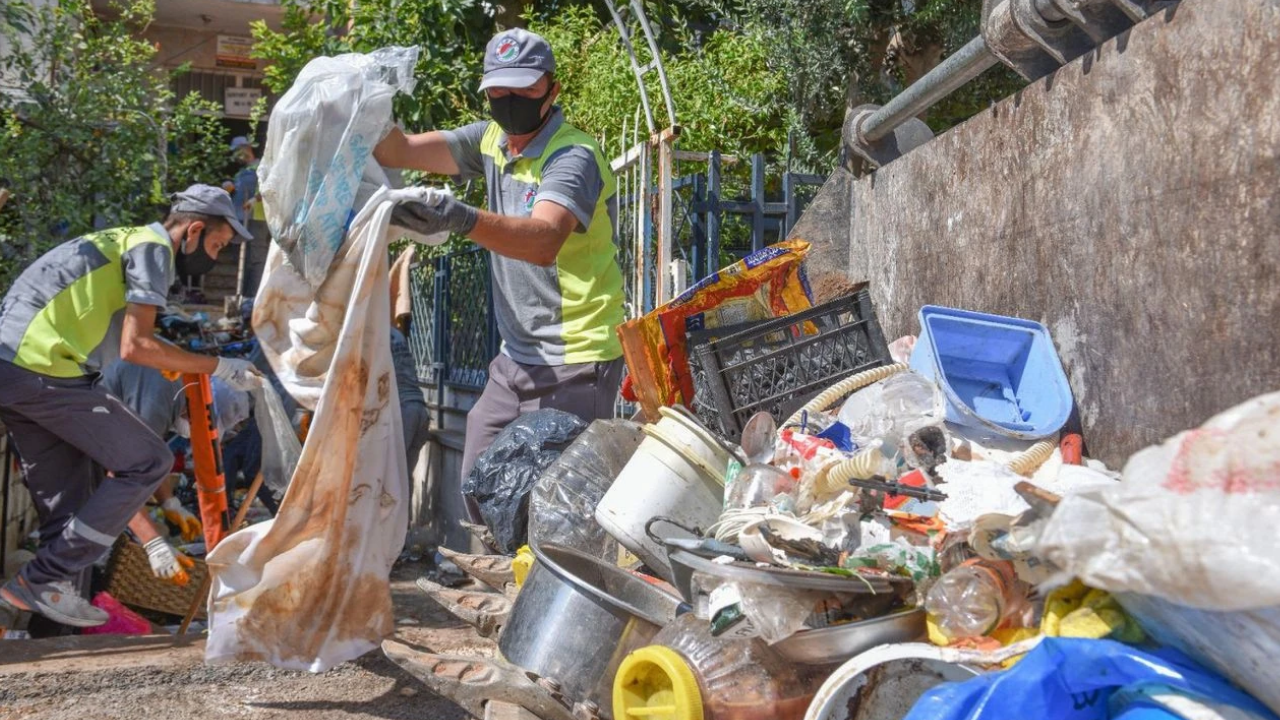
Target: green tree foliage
{"points": [[451, 34], [725, 94], [837, 54], [89, 133]]}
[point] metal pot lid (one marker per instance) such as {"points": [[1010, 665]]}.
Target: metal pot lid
{"points": [[838, 643], [609, 585]]}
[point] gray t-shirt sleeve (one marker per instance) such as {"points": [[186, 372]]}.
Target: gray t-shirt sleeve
{"points": [[571, 179], [156, 401], [464, 146], [146, 274]]}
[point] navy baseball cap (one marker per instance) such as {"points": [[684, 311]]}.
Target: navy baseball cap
{"points": [[210, 200], [516, 59]]}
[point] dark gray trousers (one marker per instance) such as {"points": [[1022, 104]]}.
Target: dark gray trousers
{"points": [[67, 432], [588, 390]]}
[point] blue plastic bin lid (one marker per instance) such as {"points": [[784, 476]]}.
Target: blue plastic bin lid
{"points": [[998, 373]]}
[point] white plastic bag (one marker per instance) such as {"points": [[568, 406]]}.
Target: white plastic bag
{"points": [[280, 446], [1193, 522], [319, 143]]}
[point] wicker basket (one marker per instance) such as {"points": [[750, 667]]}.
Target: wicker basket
{"points": [[130, 580]]}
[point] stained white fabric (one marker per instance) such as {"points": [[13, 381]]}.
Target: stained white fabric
{"points": [[309, 589]]}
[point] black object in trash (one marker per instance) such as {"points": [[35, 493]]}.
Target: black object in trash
{"points": [[504, 475], [893, 487], [780, 364]]}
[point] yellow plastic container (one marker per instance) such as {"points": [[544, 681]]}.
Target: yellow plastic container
{"points": [[686, 674], [655, 683]]}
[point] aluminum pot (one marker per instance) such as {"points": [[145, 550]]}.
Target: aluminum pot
{"points": [[577, 617]]}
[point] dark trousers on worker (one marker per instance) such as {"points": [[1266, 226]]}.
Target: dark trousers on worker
{"points": [[67, 433], [588, 390]]}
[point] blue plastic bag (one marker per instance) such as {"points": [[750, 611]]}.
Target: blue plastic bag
{"points": [[1073, 679]]}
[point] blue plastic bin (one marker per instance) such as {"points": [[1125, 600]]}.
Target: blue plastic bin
{"points": [[997, 373]]}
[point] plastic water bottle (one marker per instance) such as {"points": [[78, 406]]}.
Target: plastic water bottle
{"points": [[974, 599], [892, 409]]}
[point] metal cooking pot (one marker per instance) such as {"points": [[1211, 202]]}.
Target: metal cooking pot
{"points": [[577, 617]]}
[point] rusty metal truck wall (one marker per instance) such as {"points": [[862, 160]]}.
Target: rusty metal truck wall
{"points": [[1128, 201]]}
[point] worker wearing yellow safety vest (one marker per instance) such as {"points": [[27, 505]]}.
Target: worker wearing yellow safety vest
{"points": [[557, 288], [67, 316]]}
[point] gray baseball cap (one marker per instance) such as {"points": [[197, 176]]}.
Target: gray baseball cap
{"points": [[209, 200], [516, 59]]}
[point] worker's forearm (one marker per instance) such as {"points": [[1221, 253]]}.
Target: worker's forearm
{"points": [[152, 352], [523, 238], [142, 528], [428, 152]]}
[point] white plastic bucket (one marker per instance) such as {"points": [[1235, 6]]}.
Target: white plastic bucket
{"points": [[665, 477], [679, 425]]}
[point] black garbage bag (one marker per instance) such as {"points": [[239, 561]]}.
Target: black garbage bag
{"points": [[504, 475]]}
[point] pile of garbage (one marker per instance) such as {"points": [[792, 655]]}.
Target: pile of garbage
{"points": [[230, 336], [923, 537]]}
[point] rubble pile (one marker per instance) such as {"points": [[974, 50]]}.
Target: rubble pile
{"points": [[924, 537]]}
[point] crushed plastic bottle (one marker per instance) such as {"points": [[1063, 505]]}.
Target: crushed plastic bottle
{"points": [[975, 598], [760, 485], [892, 409]]}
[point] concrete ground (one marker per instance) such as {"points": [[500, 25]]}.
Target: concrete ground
{"points": [[140, 678]]}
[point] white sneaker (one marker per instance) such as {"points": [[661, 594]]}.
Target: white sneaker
{"points": [[57, 601]]}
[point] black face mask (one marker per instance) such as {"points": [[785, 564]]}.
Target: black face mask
{"points": [[518, 115], [197, 262]]}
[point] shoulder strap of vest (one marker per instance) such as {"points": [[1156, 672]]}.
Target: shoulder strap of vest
{"points": [[489, 144], [569, 135], [114, 242]]}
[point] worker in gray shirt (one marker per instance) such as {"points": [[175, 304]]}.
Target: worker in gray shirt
{"points": [[557, 287], [162, 405], [67, 316]]}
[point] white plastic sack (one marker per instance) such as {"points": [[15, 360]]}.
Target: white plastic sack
{"points": [[1193, 522], [280, 446], [309, 589], [319, 143]]}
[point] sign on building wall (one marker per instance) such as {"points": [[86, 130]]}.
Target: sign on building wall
{"points": [[233, 51], [239, 102]]}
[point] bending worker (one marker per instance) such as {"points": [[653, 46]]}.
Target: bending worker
{"points": [[557, 288], [162, 404], [66, 317]]}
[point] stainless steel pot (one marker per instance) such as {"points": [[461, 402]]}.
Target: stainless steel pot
{"points": [[577, 617]]}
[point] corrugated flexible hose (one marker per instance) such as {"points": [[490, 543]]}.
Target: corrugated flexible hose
{"points": [[1033, 457], [861, 467], [828, 397]]}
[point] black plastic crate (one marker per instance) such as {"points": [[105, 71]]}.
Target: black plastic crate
{"points": [[780, 364]]}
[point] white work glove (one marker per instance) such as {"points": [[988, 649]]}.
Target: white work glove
{"points": [[239, 374], [167, 563]]}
